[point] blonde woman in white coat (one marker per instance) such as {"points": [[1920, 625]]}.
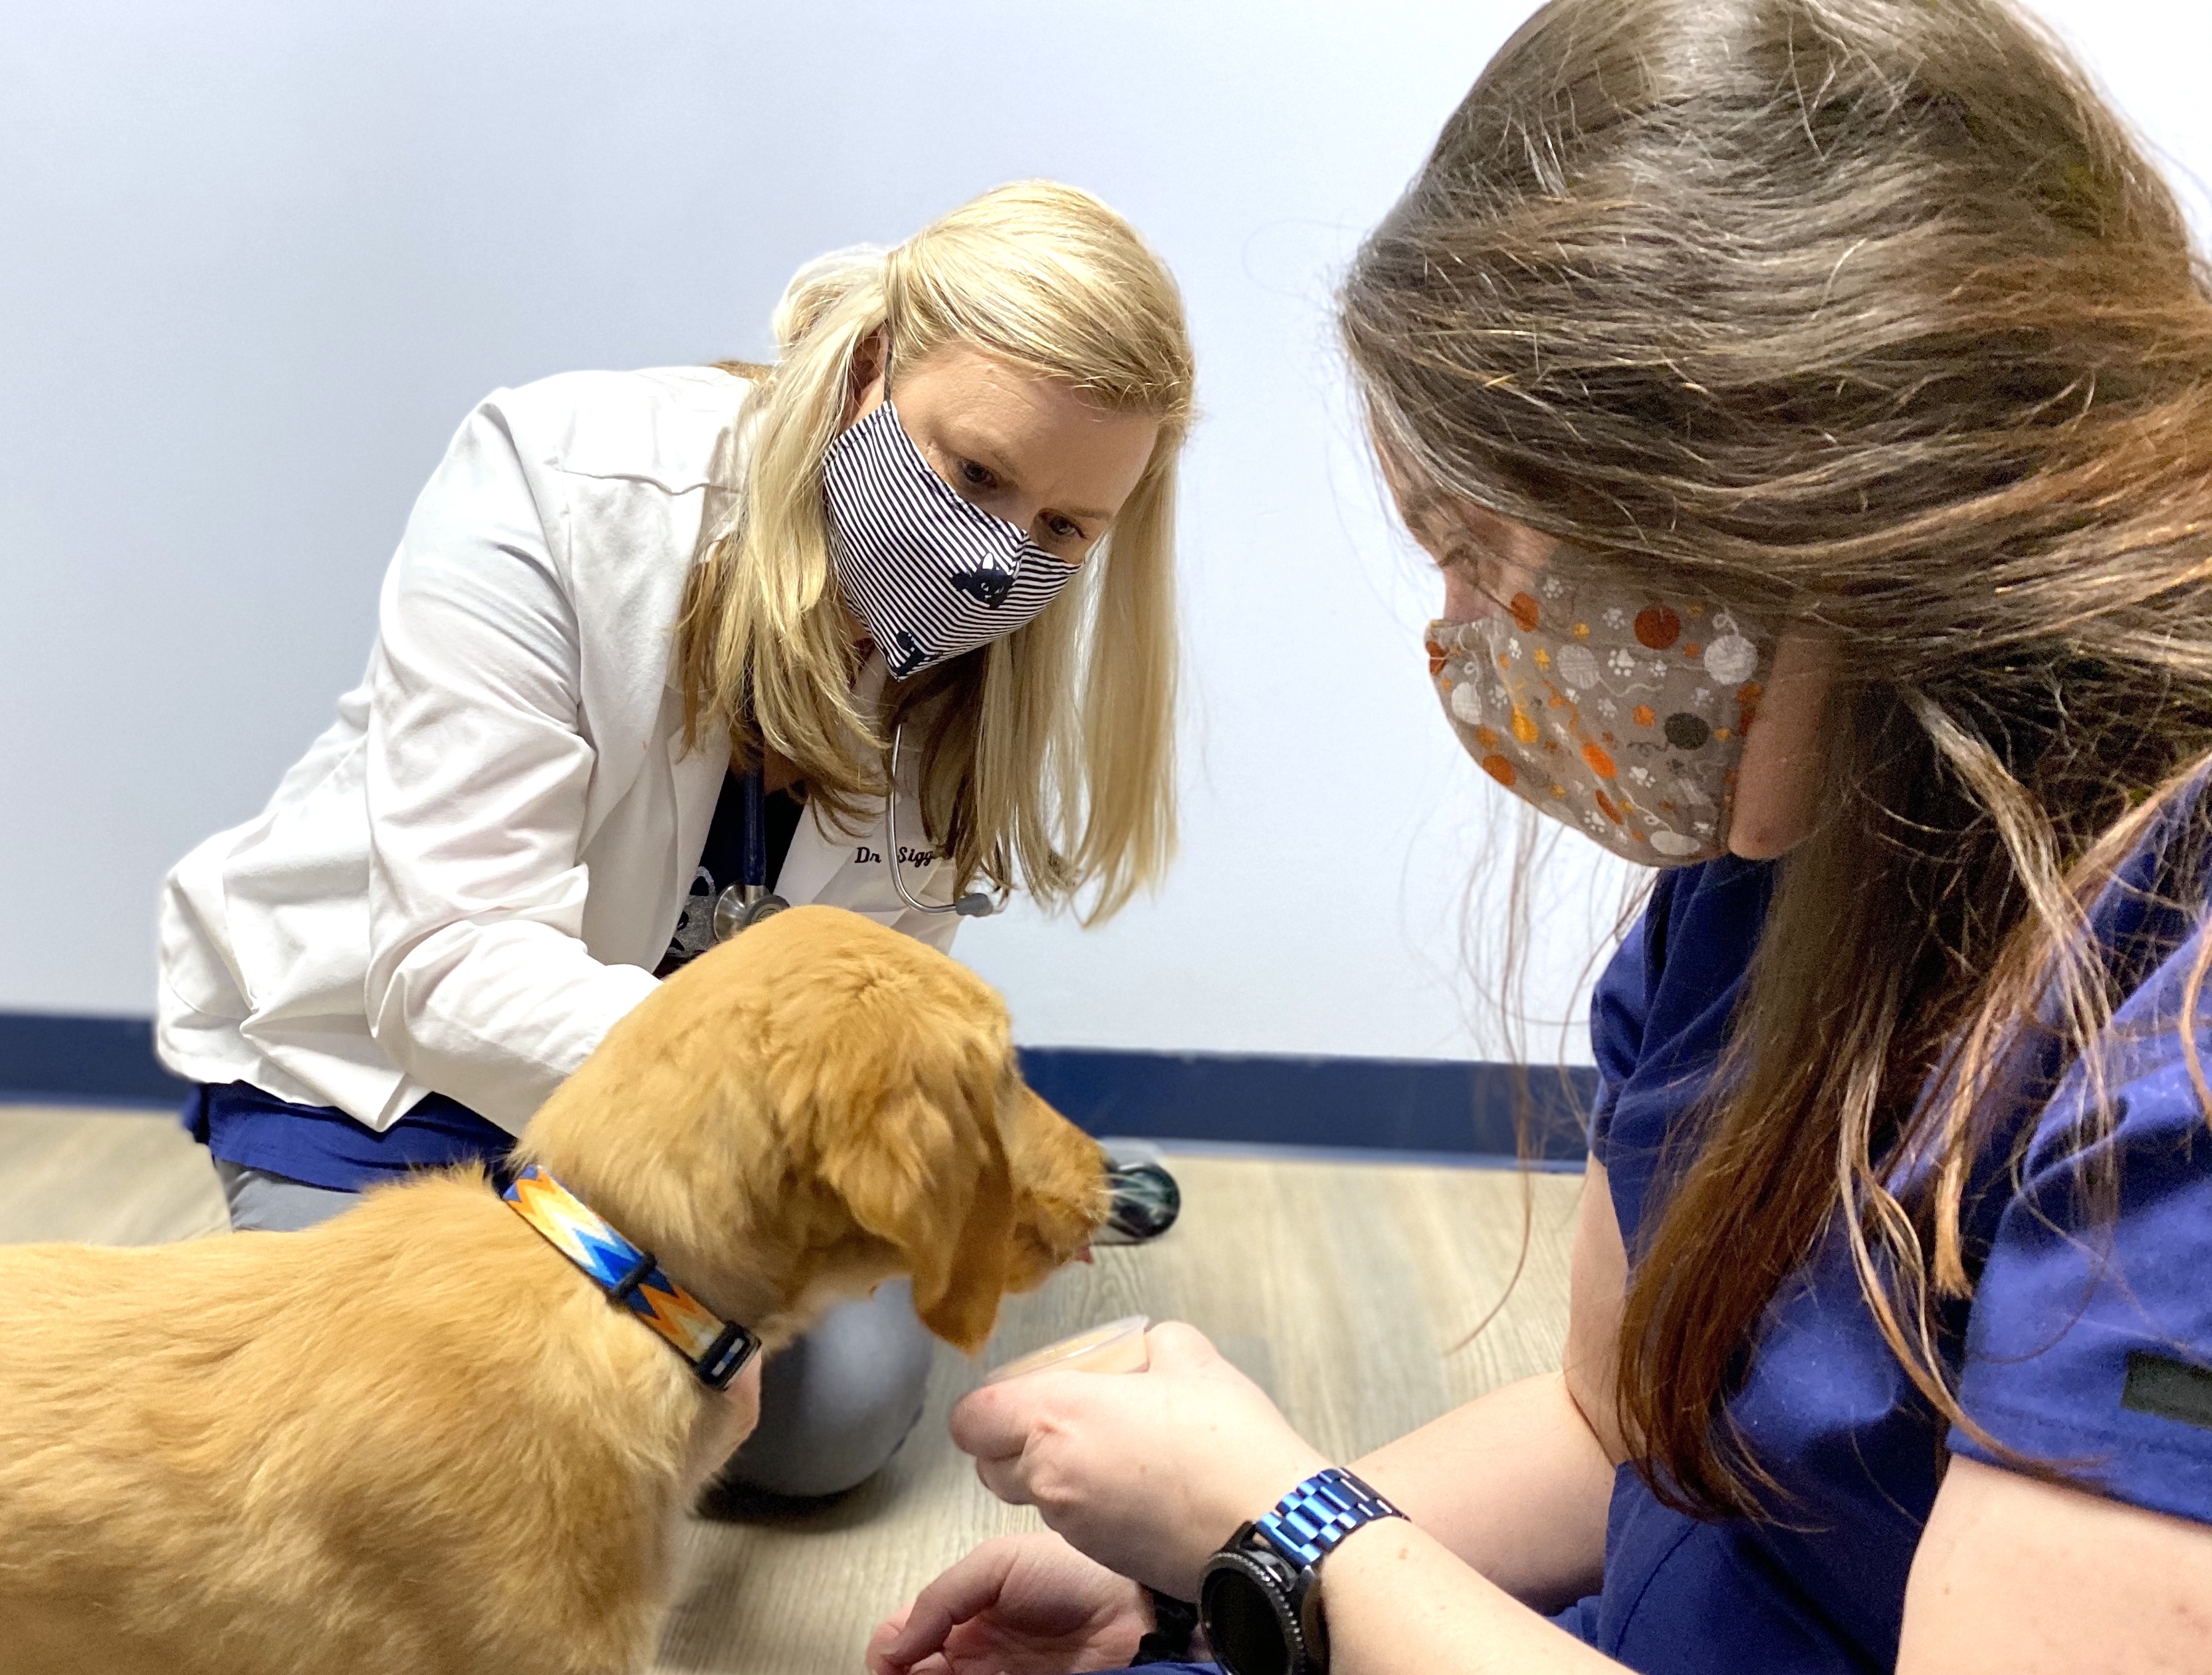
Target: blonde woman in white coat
{"points": [[941, 521]]}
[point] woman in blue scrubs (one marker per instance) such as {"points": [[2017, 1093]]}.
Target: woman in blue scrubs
{"points": [[1809, 408]]}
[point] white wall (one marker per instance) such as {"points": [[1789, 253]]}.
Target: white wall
{"points": [[256, 259]]}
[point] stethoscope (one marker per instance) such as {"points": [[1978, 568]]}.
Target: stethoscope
{"points": [[750, 900]]}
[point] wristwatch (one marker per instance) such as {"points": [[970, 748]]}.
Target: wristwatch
{"points": [[1259, 1599], [1175, 1625]]}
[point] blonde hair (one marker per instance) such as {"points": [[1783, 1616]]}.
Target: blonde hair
{"points": [[1048, 754]]}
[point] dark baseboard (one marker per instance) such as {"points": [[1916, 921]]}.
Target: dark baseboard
{"points": [[1371, 1105], [1392, 1105], [63, 1058]]}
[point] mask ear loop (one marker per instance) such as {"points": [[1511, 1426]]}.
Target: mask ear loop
{"points": [[974, 904]]}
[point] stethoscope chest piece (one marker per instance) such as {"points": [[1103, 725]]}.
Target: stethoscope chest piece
{"points": [[747, 902], [741, 907]]}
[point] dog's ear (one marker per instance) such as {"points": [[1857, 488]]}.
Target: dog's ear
{"points": [[957, 1296], [928, 1175]]}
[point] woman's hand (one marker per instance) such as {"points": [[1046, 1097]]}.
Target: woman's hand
{"points": [[731, 1417], [1021, 1605], [1149, 1473]]}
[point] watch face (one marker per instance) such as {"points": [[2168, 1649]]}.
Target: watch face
{"points": [[1248, 1623]]}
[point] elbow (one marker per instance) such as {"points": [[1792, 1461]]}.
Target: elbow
{"points": [[396, 991]]}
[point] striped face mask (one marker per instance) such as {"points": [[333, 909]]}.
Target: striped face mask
{"points": [[929, 573]]}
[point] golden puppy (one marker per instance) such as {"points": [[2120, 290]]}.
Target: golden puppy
{"points": [[417, 1438]]}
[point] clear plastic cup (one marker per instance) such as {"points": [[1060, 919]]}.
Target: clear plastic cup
{"points": [[1116, 1347]]}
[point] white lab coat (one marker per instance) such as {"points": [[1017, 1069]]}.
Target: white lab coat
{"points": [[470, 875]]}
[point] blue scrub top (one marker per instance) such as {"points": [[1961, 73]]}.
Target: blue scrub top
{"points": [[2082, 1344], [2086, 1344]]}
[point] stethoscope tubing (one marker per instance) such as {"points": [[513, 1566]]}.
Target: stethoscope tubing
{"points": [[974, 904], [749, 901]]}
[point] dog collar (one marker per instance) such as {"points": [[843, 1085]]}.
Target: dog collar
{"points": [[716, 1348]]}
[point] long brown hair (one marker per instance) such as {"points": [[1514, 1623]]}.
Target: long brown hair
{"points": [[1866, 315]]}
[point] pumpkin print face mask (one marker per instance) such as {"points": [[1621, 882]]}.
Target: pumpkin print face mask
{"points": [[1609, 705]]}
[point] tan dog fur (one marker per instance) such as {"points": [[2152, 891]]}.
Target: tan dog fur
{"points": [[417, 1438]]}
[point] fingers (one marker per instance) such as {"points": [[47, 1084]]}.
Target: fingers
{"points": [[744, 1395], [1175, 1345], [935, 1663], [970, 1587], [886, 1634], [994, 1422], [996, 1425], [1007, 1480], [1002, 1425]]}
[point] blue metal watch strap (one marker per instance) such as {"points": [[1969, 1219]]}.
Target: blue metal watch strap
{"points": [[1308, 1522]]}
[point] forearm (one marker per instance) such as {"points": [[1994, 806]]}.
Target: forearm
{"points": [[1515, 1484], [1398, 1602], [497, 1016]]}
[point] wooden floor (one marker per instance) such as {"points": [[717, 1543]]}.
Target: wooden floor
{"points": [[1345, 1288]]}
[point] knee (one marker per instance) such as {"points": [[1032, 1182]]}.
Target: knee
{"points": [[262, 1203], [836, 1405]]}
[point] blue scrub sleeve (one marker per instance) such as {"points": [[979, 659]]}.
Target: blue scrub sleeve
{"points": [[1617, 1027], [2089, 1340]]}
